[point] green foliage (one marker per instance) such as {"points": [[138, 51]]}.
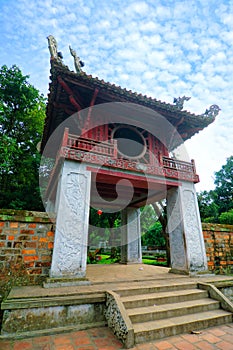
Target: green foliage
{"points": [[103, 259], [211, 219], [147, 218], [226, 218], [224, 186], [154, 236], [22, 112], [215, 206], [101, 226], [207, 206], [92, 256]]}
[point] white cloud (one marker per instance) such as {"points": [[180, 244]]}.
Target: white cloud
{"points": [[138, 7], [164, 49]]}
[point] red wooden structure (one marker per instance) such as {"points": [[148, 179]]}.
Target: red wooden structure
{"points": [[117, 150]]}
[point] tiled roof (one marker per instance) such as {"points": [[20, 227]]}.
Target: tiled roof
{"points": [[192, 123]]}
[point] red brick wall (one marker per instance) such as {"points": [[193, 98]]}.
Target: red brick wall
{"points": [[26, 243], [219, 247]]}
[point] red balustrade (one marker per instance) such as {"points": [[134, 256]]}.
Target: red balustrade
{"points": [[85, 149]]}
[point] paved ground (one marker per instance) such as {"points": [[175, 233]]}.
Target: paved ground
{"points": [[220, 337], [112, 277]]}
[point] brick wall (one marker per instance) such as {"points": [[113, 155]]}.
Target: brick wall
{"points": [[219, 247], [26, 243]]}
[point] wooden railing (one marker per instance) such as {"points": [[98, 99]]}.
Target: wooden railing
{"points": [[104, 148], [179, 165], [94, 151]]}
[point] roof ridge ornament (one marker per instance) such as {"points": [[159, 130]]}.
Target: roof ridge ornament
{"points": [[212, 112], [78, 64], [179, 101], [52, 44]]}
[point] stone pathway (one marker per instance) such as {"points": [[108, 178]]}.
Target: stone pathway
{"points": [[220, 337]]}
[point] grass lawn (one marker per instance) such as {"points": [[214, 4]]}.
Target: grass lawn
{"points": [[154, 262], [105, 259]]}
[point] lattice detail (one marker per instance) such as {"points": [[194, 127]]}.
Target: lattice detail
{"points": [[118, 320], [114, 319]]}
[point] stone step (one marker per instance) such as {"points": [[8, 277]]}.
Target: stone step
{"points": [[156, 312], [77, 299], [155, 288], [144, 300], [149, 331]]}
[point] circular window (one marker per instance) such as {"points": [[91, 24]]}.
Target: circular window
{"points": [[130, 142]]}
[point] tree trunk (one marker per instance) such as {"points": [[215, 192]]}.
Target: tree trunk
{"points": [[161, 213]]}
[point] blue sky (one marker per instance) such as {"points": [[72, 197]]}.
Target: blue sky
{"points": [[164, 49]]}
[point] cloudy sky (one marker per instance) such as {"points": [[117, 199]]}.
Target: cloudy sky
{"points": [[161, 48]]}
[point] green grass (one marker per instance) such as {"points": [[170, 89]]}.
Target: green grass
{"points": [[105, 259], [153, 257], [154, 262]]}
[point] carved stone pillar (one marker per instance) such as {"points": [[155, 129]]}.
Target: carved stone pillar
{"points": [[72, 207], [131, 251], [187, 245]]}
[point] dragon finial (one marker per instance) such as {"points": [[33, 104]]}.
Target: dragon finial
{"points": [[179, 101], [212, 112], [52, 43], [77, 62]]}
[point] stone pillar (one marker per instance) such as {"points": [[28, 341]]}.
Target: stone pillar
{"points": [[131, 251], [187, 245], [72, 221]]}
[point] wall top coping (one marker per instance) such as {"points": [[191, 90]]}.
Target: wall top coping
{"points": [[26, 216], [217, 227]]}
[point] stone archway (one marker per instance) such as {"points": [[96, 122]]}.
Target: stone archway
{"points": [[73, 202]]}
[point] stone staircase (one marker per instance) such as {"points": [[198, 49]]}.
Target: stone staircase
{"points": [[156, 312]]}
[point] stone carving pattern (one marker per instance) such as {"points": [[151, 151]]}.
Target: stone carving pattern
{"points": [[89, 157], [115, 319], [193, 231], [176, 237], [71, 229]]}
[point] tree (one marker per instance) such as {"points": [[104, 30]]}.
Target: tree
{"points": [[226, 217], [153, 236], [154, 230], [22, 112], [147, 218], [224, 186], [215, 205], [209, 210], [104, 227]]}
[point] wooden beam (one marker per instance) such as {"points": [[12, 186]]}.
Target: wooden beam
{"points": [[70, 93], [64, 107], [139, 181], [87, 124], [77, 95]]}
